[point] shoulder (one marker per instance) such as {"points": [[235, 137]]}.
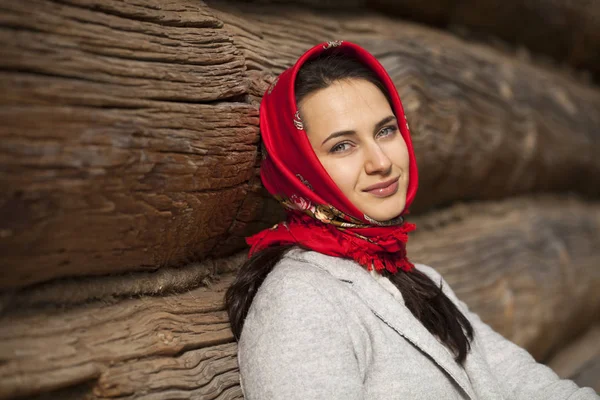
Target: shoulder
{"points": [[295, 332], [295, 267], [296, 299], [295, 285], [295, 277]]}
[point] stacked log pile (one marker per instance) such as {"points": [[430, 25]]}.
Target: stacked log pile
{"points": [[128, 158]]}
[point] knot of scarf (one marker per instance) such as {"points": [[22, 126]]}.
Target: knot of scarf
{"points": [[385, 251]]}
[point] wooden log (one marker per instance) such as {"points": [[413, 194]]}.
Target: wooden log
{"points": [[478, 128], [562, 30], [208, 373], [519, 263], [580, 360], [524, 265], [107, 161], [482, 122], [129, 130], [113, 288], [566, 30], [53, 348]]}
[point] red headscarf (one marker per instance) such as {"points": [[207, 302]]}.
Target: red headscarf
{"points": [[320, 217]]}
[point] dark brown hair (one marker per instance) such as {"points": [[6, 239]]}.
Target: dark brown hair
{"points": [[422, 296]]}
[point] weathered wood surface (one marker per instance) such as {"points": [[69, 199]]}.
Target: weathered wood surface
{"points": [[113, 288], [580, 360], [109, 161], [51, 349], [129, 130], [565, 30], [523, 263], [484, 125], [208, 373], [520, 263]]}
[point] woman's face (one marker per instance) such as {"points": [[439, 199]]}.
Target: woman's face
{"points": [[355, 135]]}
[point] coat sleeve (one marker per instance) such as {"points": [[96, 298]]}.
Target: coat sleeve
{"points": [[296, 345], [517, 372]]}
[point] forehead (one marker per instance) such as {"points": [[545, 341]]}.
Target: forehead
{"points": [[354, 104]]}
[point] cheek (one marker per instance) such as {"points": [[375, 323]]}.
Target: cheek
{"points": [[398, 153], [344, 172]]}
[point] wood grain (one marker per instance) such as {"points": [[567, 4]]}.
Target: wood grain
{"points": [[129, 130], [484, 125], [580, 359], [565, 30], [121, 148], [519, 263], [526, 266], [562, 31], [49, 350], [208, 373]]}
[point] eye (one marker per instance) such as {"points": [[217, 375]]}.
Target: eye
{"points": [[340, 147], [387, 131]]}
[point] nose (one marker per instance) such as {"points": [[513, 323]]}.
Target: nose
{"points": [[376, 160]]}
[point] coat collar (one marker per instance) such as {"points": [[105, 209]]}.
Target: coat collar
{"points": [[389, 310]]}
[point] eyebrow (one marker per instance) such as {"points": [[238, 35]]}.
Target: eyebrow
{"points": [[378, 126]]}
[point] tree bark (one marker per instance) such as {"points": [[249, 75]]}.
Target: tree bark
{"points": [[525, 263]]}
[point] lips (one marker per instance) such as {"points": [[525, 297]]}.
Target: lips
{"points": [[381, 185], [383, 189]]}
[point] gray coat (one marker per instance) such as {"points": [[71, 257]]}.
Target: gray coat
{"points": [[322, 327]]}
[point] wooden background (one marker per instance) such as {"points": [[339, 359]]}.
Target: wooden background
{"points": [[128, 163]]}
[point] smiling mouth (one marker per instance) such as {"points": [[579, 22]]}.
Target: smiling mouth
{"points": [[384, 189]]}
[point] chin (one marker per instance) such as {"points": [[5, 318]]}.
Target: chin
{"points": [[383, 217], [384, 212]]}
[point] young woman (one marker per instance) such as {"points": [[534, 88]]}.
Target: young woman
{"points": [[329, 306]]}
